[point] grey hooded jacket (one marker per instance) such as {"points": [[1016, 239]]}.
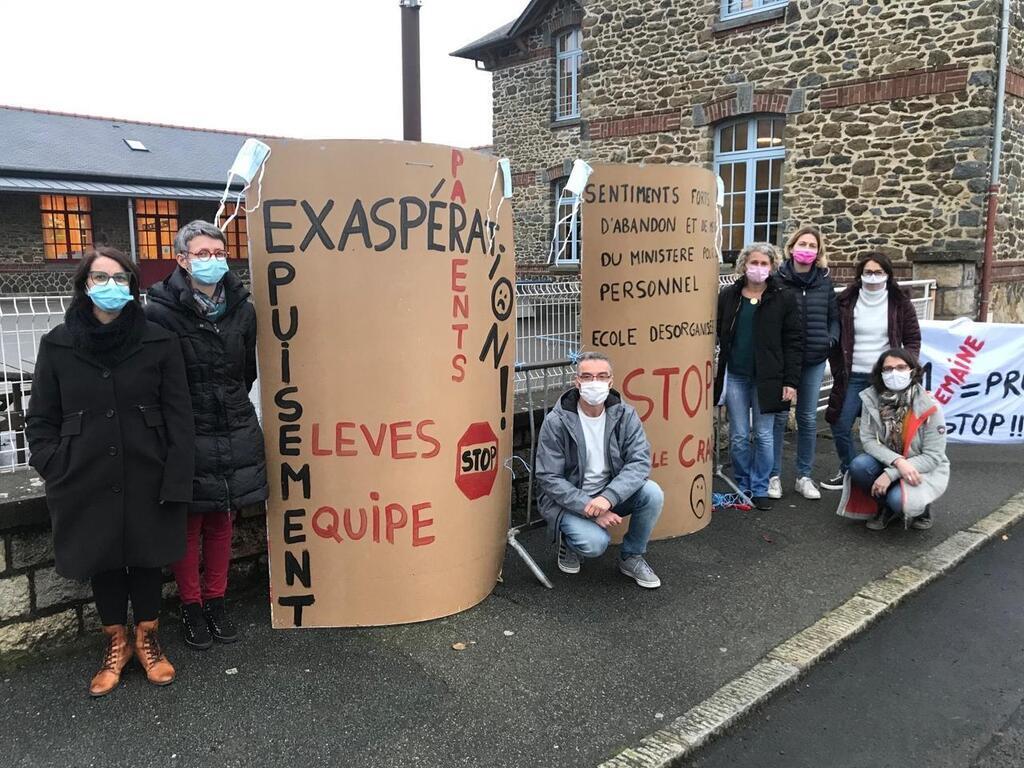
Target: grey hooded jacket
{"points": [[562, 456]]}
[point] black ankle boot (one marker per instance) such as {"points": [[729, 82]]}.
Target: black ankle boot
{"points": [[221, 627], [193, 623]]}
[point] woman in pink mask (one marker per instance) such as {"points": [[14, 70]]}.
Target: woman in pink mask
{"points": [[804, 274], [759, 340]]}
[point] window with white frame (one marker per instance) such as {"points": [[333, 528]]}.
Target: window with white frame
{"points": [[734, 8], [748, 156], [568, 233], [568, 54]]}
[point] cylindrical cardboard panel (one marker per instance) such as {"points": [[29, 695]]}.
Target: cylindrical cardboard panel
{"points": [[386, 352], [650, 285]]}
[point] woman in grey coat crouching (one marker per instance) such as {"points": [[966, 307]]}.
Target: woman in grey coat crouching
{"points": [[904, 467]]}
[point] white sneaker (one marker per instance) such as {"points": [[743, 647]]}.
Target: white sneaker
{"points": [[775, 487], [806, 488]]}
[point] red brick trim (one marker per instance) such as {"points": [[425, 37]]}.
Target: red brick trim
{"points": [[920, 82], [764, 101], [47, 265], [1008, 271], [555, 172], [635, 125], [1015, 83], [524, 179]]}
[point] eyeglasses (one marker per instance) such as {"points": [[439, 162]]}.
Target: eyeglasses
{"points": [[875, 272], [892, 368], [588, 377], [102, 278], [207, 255]]}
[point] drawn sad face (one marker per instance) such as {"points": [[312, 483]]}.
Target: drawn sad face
{"points": [[501, 299], [698, 496]]}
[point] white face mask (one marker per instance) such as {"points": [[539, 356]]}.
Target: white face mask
{"points": [[874, 279], [896, 381], [595, 392]]}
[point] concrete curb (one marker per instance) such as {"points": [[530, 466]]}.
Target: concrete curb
{"points": [[787, 661]]}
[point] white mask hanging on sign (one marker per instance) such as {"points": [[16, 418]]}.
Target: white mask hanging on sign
{"points": [[251, 158], [504, 168], [718, 233], [574, 186]]}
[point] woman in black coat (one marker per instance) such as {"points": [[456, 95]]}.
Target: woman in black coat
{"points": [[758, 364], [207, 307], [110, 430], [804, 273]]}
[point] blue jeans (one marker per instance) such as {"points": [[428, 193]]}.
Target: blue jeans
{"points": [[591, 540], [864, 470], [807, 395], [842, 430], [750, 468]]}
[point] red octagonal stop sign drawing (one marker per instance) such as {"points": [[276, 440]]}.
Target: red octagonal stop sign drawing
{"points": [[476, 461]]}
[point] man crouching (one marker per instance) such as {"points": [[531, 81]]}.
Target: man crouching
{"points": [[593, 465]]}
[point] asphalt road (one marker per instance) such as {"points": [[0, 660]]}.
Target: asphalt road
{"points": [[593, 665], [939, 683]]}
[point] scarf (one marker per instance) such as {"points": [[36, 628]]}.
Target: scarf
{"points": [[212, 308], [109, 343], [893, 408]]}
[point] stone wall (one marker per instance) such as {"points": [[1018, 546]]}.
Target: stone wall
{"points": [[39, 608], [525, 131], [1006, 302], [888, 110]]}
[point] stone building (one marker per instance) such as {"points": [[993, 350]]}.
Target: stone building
{"points": [[873, 119], [70, 181]]}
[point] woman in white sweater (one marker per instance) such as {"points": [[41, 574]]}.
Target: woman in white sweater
{"points": [[875, 314]]}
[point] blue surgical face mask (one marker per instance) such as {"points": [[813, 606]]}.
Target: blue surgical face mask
{"points": [[110, 297], [208, 272]]}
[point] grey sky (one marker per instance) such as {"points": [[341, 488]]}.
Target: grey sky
{"points": [[328, 69]]}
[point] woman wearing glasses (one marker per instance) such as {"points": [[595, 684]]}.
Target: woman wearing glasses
{"points": [[110, 430], [207, 307], [874, 315], [904, 467]]}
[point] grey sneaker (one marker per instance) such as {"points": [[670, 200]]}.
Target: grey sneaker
{"points": [[637, 569], [881, 521], [834, 483], [774, 487], [922, 522], [568, 558]]}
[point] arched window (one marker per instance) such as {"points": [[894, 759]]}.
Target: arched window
{"points": [[748, 156]]}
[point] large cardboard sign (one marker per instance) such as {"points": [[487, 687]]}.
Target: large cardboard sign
{"points": [[650, 287], [386, 350]]}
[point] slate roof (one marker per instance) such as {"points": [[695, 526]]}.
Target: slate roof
{"points": [[505, 34], [52, 144]]}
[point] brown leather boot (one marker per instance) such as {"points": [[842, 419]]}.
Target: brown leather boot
{"points": [[118, 653], [147, 648]]}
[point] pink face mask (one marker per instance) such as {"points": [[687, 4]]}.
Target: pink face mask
{"points": [[805, 255], [757, 274]]}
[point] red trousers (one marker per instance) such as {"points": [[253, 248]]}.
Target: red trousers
{"points": [[211, 532]]}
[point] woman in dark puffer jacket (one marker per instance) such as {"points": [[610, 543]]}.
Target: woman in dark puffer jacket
{"points": [[206, 306], [804, 274]]}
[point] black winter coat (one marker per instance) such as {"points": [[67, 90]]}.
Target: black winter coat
{"points": [[112, 442], [777, 341], [819, 313], [220, 359]]}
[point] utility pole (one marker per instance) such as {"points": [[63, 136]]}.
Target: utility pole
{"points": [[411, 69]]}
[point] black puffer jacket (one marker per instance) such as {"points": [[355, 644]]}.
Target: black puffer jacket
{"points": [[220, 360], [819, 313]]}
